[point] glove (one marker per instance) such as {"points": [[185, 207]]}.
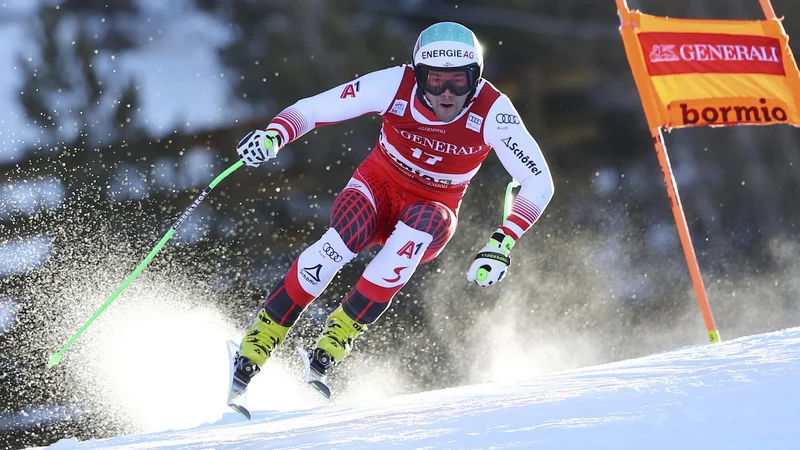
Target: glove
{"points": [[492, 261], [259, 146]]}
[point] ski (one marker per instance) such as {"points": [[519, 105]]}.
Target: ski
{"points": [[314, 378], [237, 388]]}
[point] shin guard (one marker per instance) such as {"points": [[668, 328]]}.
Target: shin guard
{"points": [[386, 274]]}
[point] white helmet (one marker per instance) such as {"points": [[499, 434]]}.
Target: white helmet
{"points": [[448, 46]]}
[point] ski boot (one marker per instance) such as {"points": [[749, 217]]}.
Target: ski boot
{"points": [[242, 370], [264, 336], [333, 345]]}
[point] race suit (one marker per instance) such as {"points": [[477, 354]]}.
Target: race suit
{"points": [[406, 194]]}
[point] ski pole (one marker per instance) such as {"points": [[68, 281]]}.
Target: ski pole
{"points": [[55, 358], [509, 200]]}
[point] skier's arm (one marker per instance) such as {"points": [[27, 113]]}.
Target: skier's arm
{"points": [[522, 158], [371, 93]]}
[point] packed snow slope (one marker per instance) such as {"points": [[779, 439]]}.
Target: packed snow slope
{"points": [[741, 394]]}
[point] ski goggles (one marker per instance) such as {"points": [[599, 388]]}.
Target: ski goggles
{"points": [[459, 82]]}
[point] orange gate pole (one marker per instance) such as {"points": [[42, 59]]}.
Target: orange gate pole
{"points": [[650, 104], [766, 6], [683, 233]]}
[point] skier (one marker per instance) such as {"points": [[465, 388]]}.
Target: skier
{"points": [[440, 120]]}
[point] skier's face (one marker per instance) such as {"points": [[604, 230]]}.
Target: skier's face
{"points": [[447, 105]]}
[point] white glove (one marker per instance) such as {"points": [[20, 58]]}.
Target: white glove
{"points": [[491, 263], [259, 146]]}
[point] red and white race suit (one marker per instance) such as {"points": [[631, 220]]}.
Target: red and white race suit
{"points": [[407, 192]]}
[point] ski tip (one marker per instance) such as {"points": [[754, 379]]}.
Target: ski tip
{"points": [[319, 385], [240, 409], [322, 388]]}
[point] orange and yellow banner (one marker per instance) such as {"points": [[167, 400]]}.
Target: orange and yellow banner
{"points": [[713, 72]]}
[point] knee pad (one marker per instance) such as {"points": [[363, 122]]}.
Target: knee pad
{"points": [[399, 257], [318, 263]]}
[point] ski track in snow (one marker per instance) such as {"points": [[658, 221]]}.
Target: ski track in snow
{"points": [[741, 394]]}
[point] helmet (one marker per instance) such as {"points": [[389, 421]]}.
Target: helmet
{"points": [[448, 47]]}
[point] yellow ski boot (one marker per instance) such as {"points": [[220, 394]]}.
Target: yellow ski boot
{"points": [[333, 345], [257, 345]]}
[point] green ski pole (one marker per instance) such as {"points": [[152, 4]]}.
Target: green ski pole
{"points": [[509, 199], [55, 358]]}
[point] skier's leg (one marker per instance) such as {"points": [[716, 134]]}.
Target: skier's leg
{"points": [[352, 229], [424, 229]]}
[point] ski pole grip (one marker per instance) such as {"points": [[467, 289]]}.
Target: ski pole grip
{"points": [[509, 199]]}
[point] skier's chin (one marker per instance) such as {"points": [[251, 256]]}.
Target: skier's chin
{"points": [[446, 112]]}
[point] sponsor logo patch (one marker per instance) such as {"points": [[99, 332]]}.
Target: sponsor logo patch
{"points": [[351, 89], [446, 147], [397, 271], [448, 53], [331, 253], [311, 274], [474, 122], [682, 53], [432, 130], [528, 161], [510, 119], [399, 107], [354, 184]]}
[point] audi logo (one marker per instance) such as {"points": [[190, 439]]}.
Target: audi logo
{"points": [[331, 252], [507, 118]]}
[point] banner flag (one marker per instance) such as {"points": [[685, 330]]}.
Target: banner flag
{"points": [[713, 72]]}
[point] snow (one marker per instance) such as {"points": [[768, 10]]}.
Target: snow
{"points": [[42, 415], [741, 394], [8, 312], [19, 256], [30, 197]]}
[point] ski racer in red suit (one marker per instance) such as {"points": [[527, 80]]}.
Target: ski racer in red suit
{"points": [[440, 121]]}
